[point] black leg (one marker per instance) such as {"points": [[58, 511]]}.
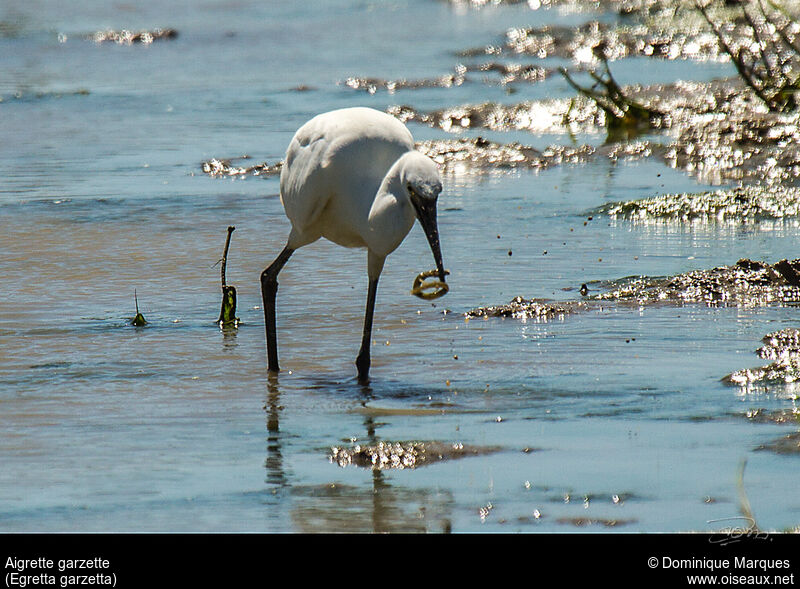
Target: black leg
{"points": [[362, 361], [269, 290]]}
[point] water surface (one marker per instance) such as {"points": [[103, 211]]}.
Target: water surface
{"points": [[613, 420]]}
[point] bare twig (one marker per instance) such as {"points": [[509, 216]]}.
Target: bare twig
{"points": [[227, 313], [231, 229]]}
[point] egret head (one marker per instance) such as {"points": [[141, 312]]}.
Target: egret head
{"points": [[421, 180]]}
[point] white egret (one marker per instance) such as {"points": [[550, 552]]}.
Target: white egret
{"points": [[353, 177]]}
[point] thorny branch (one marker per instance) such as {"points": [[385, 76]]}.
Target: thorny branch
{"points": [[770, 68]]}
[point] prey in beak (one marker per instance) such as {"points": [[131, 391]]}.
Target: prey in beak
{"points": [[423, 199]]}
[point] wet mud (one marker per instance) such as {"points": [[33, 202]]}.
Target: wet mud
{"points": [[372, 85], [496, 72], [783, 348], [126, 37], [521, 308], [780, 417], [783, 370], [226, 168], [785, 342], [741, 204], [544, 116], [490, 73], [479, 155], [779, 376], [788, 444], [745, 283], [402, 455]]}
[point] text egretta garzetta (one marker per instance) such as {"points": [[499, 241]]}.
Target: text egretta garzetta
{"points": [[353, 177]]}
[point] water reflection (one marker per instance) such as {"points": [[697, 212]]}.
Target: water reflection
{"points": [[229, 342], [382, 507], [274, 461], [385, 498]]}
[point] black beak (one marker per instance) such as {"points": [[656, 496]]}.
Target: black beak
{"points": [[426, 213]]}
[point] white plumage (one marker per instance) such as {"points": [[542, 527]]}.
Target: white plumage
{"points": [[353, 177]]}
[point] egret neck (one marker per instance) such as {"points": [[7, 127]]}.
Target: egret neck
{"points": [[402, 197]]}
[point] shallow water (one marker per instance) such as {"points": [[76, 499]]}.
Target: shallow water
{"points": [[612, 420]]}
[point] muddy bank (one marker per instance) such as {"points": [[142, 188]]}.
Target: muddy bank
{"points": [[780, 417], [721, 132], [471, 155], [746, 283], [225, 167], [492, 72], [510, 72], [738, 129], [521, 308], [742, 204], [783, 348], [783, 370], [788, 444], [402, 455], [779, 376], [372, 85], [778, 344], [555, 116]]}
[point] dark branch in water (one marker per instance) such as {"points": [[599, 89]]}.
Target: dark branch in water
{"points": [[769, 70], [625, 117], [138, 320], [227, 314], [231, 229]]}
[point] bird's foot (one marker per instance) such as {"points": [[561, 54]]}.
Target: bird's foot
{"points": [[363, 363]]}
